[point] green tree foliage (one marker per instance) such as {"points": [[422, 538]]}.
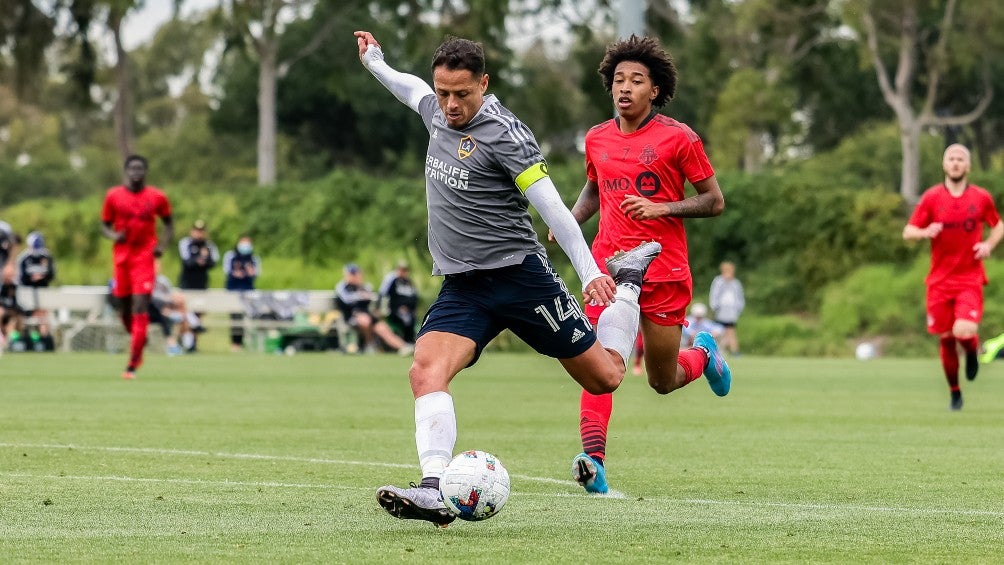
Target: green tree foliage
{"points": [[795, 233], [25, 33], [339, 217], [914, 47], [748, 105], [866, 160]]}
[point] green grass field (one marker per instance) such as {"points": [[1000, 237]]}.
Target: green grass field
{"points": [[261, 458]]}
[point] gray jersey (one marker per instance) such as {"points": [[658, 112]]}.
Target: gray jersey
{"points": [[474, 181]]}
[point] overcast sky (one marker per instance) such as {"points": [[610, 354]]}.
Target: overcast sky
{"points": [[140, 25]]}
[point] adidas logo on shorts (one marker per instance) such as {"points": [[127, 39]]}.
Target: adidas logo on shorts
{"points": [[577, 335]]}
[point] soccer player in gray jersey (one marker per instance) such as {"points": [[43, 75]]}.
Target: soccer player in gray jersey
{"points": [[482, 170]]}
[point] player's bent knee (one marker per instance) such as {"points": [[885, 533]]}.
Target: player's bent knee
{"points": [[600, 387], [604, 384], [661, 387], [965, 329]]}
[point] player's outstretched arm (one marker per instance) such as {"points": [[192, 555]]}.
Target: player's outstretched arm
{"points": [[545, 198], [409, 89]]}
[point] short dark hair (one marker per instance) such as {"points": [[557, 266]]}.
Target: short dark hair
{"points": [[648, 52], [457, 53], [132, 158]]}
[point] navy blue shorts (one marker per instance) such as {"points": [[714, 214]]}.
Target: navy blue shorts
{"points": [[530, 299]]}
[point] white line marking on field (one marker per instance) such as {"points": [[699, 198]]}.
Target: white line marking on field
{"points": [[116, 478], [852, 507], [251, 456], [613, 493], [196, 453]]}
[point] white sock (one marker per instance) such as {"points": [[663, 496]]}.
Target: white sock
{"points": [[617, 327], [435, 432], [187, 340]]}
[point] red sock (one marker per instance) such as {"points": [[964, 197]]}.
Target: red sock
{"points": [[950, 361], [970, 344], [140, 323], [594, 416], [693, 361]]}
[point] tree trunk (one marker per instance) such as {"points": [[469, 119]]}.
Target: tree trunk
{"points": [[122, 114], [267, 78], [753, 151], [909, 141]]}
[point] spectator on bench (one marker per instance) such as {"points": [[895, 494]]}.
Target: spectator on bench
{"points": [[9, 241], [167, 308], [35, 269], [198, 256], [353, 298], [401, 297]]}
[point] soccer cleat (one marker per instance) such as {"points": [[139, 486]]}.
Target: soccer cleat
{"points": [[972, 365], [589, 473], [173, 350], [415, 503], [991, 348], [956, 403], [129, 374], [717, 371], [628, 267]]}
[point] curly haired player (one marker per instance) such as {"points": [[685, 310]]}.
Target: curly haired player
{"points": [[636, 167]]}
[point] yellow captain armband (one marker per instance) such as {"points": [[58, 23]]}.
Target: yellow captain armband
{"points": [[533, 174]]}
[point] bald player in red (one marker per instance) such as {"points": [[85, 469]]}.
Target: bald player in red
{"points": [[129, 218], [953, 215]]}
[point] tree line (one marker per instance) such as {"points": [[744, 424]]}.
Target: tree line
{"points": [[823, 118]]}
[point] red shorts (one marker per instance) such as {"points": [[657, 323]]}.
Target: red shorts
{"points": [[663, 302], [134, 274], [946, 304]]}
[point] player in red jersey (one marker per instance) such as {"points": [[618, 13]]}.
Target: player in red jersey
{"points": [[129, 218], [952, 215], [636, 167]]}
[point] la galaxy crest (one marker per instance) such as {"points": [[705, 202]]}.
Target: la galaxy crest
{"points": [[467, 147]]}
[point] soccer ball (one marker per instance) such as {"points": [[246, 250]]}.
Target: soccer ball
{"points": [[474, 486], [865, 351]]}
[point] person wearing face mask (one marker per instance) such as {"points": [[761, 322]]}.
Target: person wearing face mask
{"points": [[241, 267]]}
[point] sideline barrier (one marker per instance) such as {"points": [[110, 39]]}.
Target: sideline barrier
{"points": [[75, 310]]}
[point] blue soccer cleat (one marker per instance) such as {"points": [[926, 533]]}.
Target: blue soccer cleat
{"points": [[589, 473], [717, 371]]}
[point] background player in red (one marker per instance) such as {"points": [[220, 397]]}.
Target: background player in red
{"points": [[129, 218], [952, 215], [636, 167]]}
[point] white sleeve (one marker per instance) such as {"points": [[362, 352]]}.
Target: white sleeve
{"points": [[409, 89], [545, 198]]}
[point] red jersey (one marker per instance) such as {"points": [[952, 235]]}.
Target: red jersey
{"points": [[653, 162], [135, 214], [953, 260]]}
